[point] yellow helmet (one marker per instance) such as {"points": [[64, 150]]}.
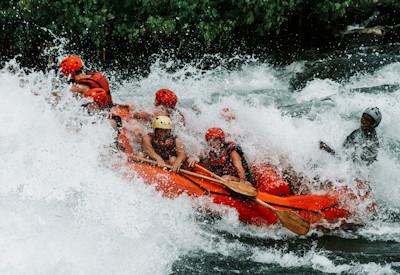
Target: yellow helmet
{"points": [[162, 122]]}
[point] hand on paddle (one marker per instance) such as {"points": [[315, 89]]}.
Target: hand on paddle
{"points": [[161, 162], [288, 218], [191, 162], [176, 166]]}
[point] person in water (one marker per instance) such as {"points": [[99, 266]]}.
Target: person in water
{"points": [[226, 159], [83, 83], [362, 144], [163, 146]]}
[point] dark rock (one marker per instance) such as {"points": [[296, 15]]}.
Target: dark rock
{"points": [[388, 13], [362, 36], [341, 65]]}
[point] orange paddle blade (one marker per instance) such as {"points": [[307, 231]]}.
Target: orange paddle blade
{"points": [[306, 202]]}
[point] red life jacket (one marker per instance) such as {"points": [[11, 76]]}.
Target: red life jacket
{"points": [[96, 80], [222, 165], [164, 148], [122, 141]]}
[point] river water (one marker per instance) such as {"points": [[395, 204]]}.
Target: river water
{"points": [[66, 209]]}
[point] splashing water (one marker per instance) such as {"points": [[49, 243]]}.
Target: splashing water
{"points": [[67, 210]]}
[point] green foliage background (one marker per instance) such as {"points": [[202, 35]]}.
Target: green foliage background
{"points": [[140, 24]]}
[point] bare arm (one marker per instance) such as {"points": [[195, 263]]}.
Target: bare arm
{"points": [[181, 155], [142, 115], [79, 89], [237, 162], [148, 148]]}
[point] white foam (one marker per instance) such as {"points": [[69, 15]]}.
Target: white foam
{"points": [[67, 211], [64, 209], [318, 260]]}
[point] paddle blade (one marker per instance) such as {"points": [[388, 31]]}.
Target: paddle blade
{"points": [[306, 202], [241, 188], [293, 221], [289, 219]]}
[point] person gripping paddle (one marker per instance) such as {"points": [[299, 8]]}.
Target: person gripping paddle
{"points": [[163, 146]]}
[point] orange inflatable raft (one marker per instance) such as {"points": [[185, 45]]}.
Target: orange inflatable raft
{"points": [[323, 210]]}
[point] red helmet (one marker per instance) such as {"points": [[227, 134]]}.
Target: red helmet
{"points": [[215, 133], [166, 98], [70, 65], [99, 96]]}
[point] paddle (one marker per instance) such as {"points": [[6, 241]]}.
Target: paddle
{"points": [[316, 203], [288, 219], [310, 203], [242, 189]]}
